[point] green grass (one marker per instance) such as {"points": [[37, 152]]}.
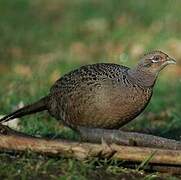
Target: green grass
{"points": [[42, 40]]}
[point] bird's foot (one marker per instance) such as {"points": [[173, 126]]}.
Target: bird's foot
{"points": [[108, 151]]}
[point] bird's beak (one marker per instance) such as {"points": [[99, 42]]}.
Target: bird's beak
{"points": [[171, 61], [167, 62]]}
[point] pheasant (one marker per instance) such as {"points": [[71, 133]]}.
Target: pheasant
{"points": [[101, 95]]}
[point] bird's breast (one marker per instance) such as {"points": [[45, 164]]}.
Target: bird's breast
{"points": [[106, 106]]}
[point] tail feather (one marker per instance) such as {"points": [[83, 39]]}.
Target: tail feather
{"points": [[38, 106]]}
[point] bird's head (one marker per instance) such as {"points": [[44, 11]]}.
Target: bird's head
{"points": [[149, 66], [153, 62]]}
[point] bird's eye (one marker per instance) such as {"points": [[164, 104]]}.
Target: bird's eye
{"points": [[156, 59]]}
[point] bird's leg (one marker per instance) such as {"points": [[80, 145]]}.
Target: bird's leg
{"points": [[127, 138]]}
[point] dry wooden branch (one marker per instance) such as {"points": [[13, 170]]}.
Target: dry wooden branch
{"points": [[163, 160], [128, 138], [88, 150]]}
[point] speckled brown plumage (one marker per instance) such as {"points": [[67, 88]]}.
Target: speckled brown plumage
{"points": [[101, 95]]}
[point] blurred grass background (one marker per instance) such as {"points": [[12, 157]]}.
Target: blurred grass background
{"points": [[41, 40]]}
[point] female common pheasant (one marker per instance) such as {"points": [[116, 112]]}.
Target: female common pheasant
{"points": [[101, 95]]}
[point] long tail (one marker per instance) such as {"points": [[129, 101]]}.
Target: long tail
{"points": [[38, 106]]}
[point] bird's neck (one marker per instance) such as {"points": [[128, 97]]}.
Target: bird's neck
{"points": [[145, 79]]}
